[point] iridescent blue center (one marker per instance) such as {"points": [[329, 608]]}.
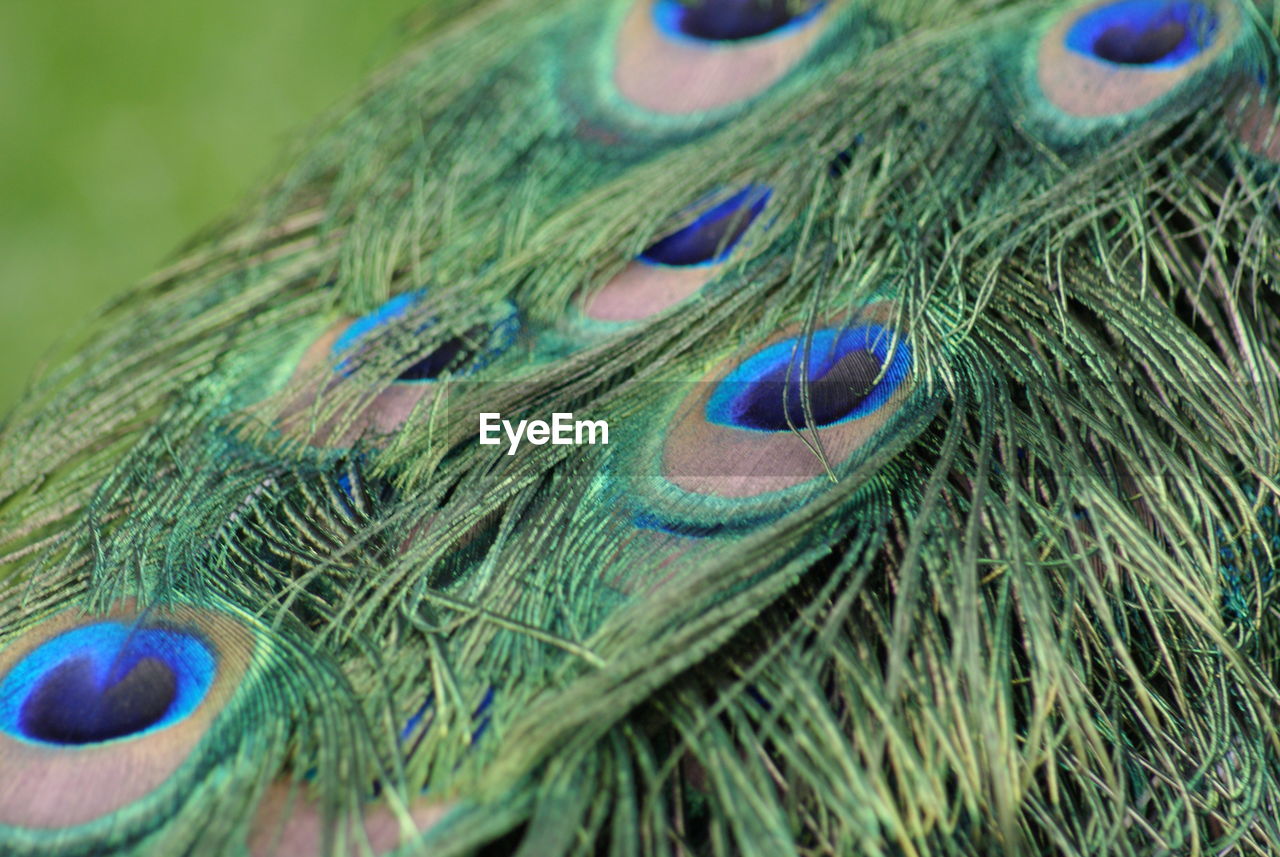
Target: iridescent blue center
{"points": [[382, 316], [731, 20], [844, 381], [460, 355], [711, 238], [105, 681], [1157, 34]]}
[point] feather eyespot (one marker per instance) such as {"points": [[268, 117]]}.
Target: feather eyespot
{"points": [[409, 344], [83, 699], [458, 355], [1108, 64], [766, 430], [679, 264], [1150, 33], [683, 58]]}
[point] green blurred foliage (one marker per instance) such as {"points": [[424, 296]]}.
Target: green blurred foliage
{"points": [[130, 124]]}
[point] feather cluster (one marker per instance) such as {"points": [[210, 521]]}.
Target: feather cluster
{"points": [[939, 512]]}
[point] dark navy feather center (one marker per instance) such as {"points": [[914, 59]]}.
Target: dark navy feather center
{"points": [[451, 354], [1151, 33], [767, 403], [731, 20], [72, 706], [103, 682], [464, 354], [844, 374], [713, 235]]}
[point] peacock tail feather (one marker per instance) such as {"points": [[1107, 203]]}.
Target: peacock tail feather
{"points": [[937, 344]]}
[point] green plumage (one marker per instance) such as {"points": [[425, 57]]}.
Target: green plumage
{"points": [[1028, 609]]}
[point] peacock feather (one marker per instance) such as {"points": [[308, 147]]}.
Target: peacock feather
{"points": [[938, 347]]}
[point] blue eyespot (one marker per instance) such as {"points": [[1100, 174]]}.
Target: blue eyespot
{"points": [[710, 238], [1153, 33], [105, 681], [460, 355], [731, 20], [844, 381]]}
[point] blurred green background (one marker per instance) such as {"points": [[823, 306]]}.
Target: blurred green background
{"points": [[126, 125]]}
